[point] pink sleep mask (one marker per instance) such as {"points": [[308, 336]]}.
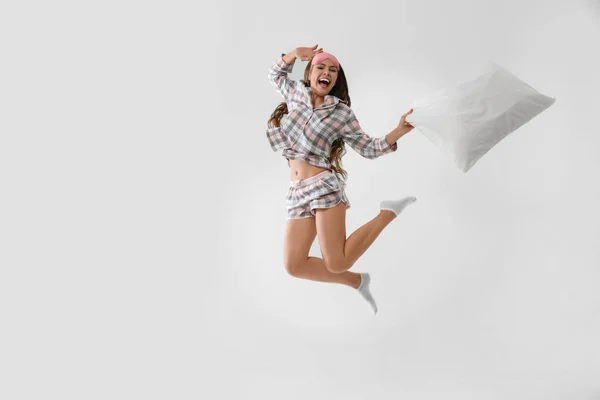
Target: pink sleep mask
{"points": [[322, 56]]}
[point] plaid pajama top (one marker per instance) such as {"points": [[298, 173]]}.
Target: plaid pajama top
{"points": [[307, 133]]}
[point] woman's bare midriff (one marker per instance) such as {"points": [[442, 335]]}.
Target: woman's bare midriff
{"points": [[300, 169]]}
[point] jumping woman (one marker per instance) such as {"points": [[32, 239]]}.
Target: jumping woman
{"points": [[311, 127]]}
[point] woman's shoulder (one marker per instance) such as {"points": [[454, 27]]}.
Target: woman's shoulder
{"points": [[344, 105], [344, 108]]}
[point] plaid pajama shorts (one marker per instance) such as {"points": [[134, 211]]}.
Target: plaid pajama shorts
{"points": [[304, 196]]}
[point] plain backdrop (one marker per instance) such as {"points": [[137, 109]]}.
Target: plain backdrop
{"points": [[142, 209]]}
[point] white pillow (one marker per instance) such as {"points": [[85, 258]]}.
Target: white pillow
{"points": [[468, 119]]}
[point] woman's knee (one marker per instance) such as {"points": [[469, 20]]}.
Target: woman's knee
{"points": [[293, 266], [336, 265]]}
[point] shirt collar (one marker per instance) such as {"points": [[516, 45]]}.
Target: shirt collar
{"points": [[329, 99]]}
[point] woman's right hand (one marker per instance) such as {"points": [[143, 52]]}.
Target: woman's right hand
{"points": [[307, 53]]}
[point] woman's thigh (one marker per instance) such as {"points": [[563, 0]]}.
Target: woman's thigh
{"points": [[299, 236], [331, 228]]}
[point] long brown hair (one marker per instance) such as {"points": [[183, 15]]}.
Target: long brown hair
{"points": [[340, 90]]}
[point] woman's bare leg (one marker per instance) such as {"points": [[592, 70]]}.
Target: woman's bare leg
{"points": [[314, 269], [338, 252], [299, 236]]}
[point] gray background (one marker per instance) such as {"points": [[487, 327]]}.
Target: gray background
{"points": [[142, 209]]}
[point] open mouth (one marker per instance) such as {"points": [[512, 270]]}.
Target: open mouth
{"points": [[323, 83]]}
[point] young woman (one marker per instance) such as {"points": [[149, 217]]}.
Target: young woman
{"points": [[311, 127]]}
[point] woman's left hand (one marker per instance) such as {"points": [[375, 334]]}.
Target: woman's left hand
{"points": [[404, 127]]}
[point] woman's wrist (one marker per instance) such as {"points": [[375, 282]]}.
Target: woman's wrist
{"points": [[290, 57], [394, 135]]}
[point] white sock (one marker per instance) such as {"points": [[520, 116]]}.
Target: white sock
{"points": [[363, 289], [396, 206]]}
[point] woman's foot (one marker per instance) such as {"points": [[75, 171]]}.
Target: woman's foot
{"points": [[397, 206], [365, 292]]}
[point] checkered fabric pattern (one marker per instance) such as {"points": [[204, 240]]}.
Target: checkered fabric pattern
{"points": [[326, 192], [307, 133]]}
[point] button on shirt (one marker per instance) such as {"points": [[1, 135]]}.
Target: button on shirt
{"points": [[307, 133]]}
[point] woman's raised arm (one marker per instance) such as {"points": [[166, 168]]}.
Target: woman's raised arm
{"points": [[279, 72]]}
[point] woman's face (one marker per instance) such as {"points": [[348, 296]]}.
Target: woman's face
{"points": [[325, 71]]}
